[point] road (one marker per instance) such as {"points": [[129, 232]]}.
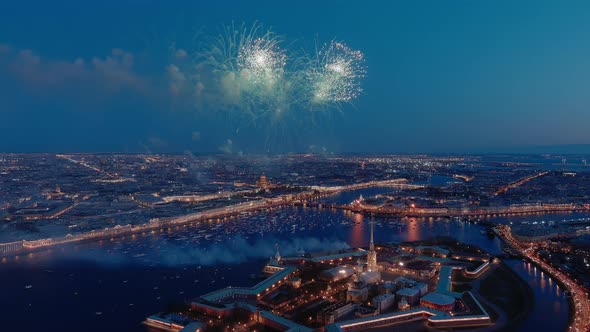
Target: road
{"points": [[579, 296]]}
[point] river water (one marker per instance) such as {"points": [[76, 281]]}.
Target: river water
{"points": [[114, 284]]}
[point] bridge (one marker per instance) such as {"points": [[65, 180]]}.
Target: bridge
{"points": [[393, 183], [511, 210], [518, 183]]}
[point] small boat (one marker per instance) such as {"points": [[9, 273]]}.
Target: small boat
{"points": [[28, 286]]}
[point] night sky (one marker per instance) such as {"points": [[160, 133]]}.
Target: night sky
{"points": [[442, 76]]}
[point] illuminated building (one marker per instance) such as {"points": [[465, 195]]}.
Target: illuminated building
{"points": [[411, 295], [335, 311], [438, 301], [337, 273], [274, 264], [383, 302], [357, 288], [263, 182], [403, 305]]}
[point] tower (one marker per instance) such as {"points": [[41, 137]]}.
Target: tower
{"points": [[274, 263], [357, 287], [263, 183], [358, 271], [372, 254]]}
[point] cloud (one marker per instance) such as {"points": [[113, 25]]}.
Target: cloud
{"points": [[196, 135], [157, 142], [176, 78], [238, 250], [232, 251], [5, 49], [118, 69], [227, 147], [181, 54], [111, 73]]}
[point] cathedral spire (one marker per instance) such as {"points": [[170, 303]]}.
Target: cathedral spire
{"points": [[372, 254], [371, 244]]}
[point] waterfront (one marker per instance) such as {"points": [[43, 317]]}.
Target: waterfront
{"points": [[119, 282], [550, 301], [253, 166]]}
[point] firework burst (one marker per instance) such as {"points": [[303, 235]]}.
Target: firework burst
{"points": [[333, 76], [250, 66], [245, 72], [261, 63]]}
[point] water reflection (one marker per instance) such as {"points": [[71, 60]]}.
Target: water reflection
{"points": [[550, 312], [357, 236], [170, 265], [413, 230]]}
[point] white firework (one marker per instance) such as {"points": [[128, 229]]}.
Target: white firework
{"points": [[245, 71], [261, 62], [334, 75], [250, 65]]}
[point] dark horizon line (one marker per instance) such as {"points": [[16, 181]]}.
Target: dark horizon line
{"points": [[474, 152]]}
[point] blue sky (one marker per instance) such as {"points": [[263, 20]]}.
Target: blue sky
{"points": [[443, 76]]}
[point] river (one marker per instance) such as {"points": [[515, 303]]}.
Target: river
{"points": [[114, 284]]}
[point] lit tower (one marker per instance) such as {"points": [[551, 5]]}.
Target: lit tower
{"points": [[372, 255], [274, 263], [263, 182]]}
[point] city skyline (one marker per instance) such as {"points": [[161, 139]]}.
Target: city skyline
{"points": [[334, 166], [182, 242]]}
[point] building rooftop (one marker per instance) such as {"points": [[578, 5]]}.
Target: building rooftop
{"points": [[192, 327], [408, 292], [253, 291], [433, 248], [438, 299], [289, 325], [381, 297]]}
